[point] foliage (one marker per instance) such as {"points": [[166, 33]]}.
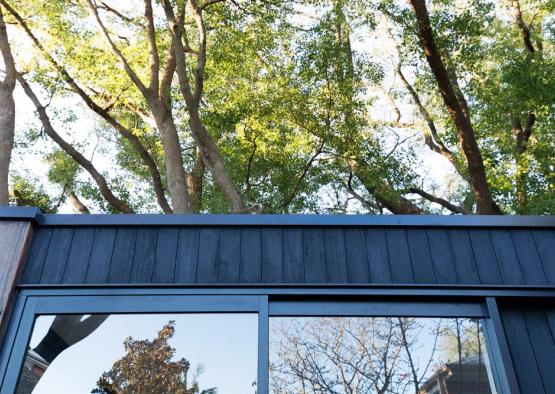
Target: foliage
{"points": [[304, 103], [147, 367]]}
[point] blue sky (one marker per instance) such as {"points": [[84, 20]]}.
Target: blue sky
{"points": [[225, 345]]}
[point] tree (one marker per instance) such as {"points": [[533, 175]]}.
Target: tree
{"points": [[308, 106], [147, 367], [7, 110]]}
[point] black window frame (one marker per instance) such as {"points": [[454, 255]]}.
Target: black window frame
{"points": [[266, 302]]}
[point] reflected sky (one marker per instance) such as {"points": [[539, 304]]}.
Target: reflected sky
{"points": [[223, 345]]}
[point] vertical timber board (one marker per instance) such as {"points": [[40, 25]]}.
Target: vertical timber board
{"points": [[15, 237]]}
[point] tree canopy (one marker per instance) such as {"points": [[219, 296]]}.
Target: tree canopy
{"points": [[304, 106]]}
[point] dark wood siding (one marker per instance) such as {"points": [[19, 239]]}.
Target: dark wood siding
{"points": [[281, 255], [531, 337]]}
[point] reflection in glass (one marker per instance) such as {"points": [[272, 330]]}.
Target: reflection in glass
{"points": [[378, 355], [109, 354]]}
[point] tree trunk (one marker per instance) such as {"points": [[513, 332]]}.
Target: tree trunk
{"points": [[195, 180], [458, 110], [7, 128], [7, 112], [175, 173], [214, 161]]}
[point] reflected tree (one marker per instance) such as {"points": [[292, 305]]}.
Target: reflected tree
{"points": [[376, 355], [147, 367]]}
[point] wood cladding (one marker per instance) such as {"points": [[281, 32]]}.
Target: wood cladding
{"points": [[15, 236]]}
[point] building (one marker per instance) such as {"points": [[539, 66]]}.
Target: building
{"points": [[71, 281]]}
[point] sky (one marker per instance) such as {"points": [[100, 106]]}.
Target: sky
{"points": [[224, 345]]}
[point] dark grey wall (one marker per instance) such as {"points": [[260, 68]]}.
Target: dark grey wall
{"points": [[530, 331], [277, 255]]}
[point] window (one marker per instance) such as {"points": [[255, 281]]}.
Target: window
{"points": [[250, 342], [378, 355], [166, 353]]}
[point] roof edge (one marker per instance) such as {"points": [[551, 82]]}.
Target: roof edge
{"points": [[264, 220], [19, 213]]}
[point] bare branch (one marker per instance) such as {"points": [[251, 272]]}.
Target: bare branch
{"points": [[438, 200]]}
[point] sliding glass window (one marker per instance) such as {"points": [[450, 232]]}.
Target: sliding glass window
{"points": [[140, 342]]}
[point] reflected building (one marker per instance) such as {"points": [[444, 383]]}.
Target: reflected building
{"points": [[470, 376]]}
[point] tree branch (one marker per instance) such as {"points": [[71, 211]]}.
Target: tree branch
{"points": [[102, 112], [9, 63], [103, 187], [458, 110], [76, 203], [126, 66], [523, 27], [152, 48], [300, 179], [438, 200]]}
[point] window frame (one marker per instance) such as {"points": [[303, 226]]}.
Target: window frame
{"points": [[31, 303]]}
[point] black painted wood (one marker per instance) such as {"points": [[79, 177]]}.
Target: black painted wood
{"points": [[378, 257], [122, 257], [229, 255], [187, 255], [442, 257], [289, 255], [486, 260], [166, 253], [507, 258], [463, 257], [543, 345], [522, 352], [79, 256], [314, 255], [356, 255], [529, 258], [420, 256], [143, 256], [56, 258], [250, 270], [399, 256], [293, 263], [335, 255], [36, 256], [545, 243], [207, 266], [272, 255], [101, 255]]}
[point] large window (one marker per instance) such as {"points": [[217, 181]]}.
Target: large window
{"points": [[378, 355], [164, 341], [141, 353]]}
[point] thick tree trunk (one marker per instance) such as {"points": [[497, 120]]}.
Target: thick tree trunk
{"points": [[458, 110], [214, 161], [175, 173], [7, 128], [7, 112], [195, 180]]}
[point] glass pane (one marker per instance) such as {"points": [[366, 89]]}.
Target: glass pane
{"points": [[378, 355], [162, 353]]}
